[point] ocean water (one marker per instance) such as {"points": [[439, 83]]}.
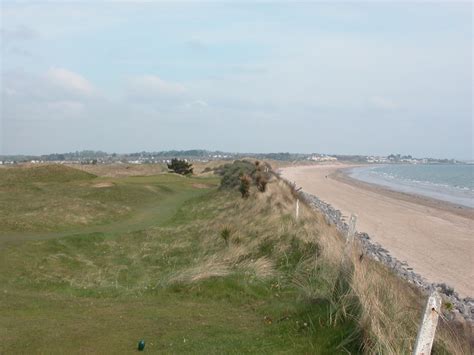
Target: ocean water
{"points": [[453, 183]]}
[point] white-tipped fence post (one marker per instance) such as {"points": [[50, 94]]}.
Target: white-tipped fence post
{"points": [[352, 227], [351, 232], [426, 333], [297, 208]]}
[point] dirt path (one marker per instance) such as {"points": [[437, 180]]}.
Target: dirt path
{"points": [[435, 241]]}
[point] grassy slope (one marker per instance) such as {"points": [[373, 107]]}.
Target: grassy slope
{"points": [[58, 200], [163, 273]]}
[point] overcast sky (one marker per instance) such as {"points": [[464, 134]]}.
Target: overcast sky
{"points": [[353, 78]]}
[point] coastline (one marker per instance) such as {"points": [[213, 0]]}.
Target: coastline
{"points": [[432, 236], [343, 176]]}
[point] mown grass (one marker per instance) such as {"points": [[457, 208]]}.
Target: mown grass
{"points": [[62, 199], [167, 277]]}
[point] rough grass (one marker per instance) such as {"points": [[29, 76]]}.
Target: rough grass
{"points": [[56, 198], [173, 282], [387, 309], [166, 274], [122, 170], [12, 176]]}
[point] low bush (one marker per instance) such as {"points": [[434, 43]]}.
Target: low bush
{"points": [[231, 173], [258, 173]]}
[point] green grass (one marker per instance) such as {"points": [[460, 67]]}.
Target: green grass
{"points": [[42, 174], [162, 273], [55, 206]]}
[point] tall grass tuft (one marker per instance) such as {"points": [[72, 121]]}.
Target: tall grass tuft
{"points": [[387, 310], [244, 187], [225, 235]]}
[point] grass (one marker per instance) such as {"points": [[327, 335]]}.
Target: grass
{"points": [[190, 268], [36, 202], [161, 272]]}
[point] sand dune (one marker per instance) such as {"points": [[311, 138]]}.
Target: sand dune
{"points": [[436, 240]]}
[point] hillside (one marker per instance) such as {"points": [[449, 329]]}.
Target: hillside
{"points": [[188, 268]]}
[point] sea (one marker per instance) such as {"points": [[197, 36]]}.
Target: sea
{"points": [[447, 182]]}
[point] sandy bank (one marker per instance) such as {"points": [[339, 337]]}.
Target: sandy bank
{"points": [[435, 238]]}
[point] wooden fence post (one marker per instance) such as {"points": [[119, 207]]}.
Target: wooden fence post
{"points": [[426, 333], [297, 208], [351, 230], [352, 227]]}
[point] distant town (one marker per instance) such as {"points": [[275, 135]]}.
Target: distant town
{"points": [[99, 157]]}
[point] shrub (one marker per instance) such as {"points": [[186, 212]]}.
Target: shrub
{"points": [[257, 173], [181, 167], [261, 182], [231, 173], [262, 176], [244, 188]]}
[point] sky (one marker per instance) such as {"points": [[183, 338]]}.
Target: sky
{"points": [[341, 78]]}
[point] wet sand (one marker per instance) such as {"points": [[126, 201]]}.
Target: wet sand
{"points": [[435, 238]]}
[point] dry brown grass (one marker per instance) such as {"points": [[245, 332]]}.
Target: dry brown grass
{"points": [[103, 184], [244, 239], [388, 309]]}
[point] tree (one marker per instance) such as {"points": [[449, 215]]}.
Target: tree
{"points": [[181, 167]]}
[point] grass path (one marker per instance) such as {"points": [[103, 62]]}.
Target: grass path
{"points": [[150, 214]]}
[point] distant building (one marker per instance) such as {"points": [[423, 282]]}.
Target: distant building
{"points": [[322, 158], [376, 159]]}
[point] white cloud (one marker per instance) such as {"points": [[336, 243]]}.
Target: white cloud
{"points": [[70, 81], [197, 103], [151, 86], [56, 84]]}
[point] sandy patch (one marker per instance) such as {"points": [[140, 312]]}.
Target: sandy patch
{"points": [[103, 184], [151, 188], [200, 186], [437, 242]]}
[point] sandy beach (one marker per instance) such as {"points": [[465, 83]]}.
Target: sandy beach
{"points": [[435, 238]]}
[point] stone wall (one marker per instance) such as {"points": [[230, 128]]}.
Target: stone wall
{"points": [[464, 307]]}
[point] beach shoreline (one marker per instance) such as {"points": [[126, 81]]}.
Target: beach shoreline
{"points": [[433, 237], [343, 176]]}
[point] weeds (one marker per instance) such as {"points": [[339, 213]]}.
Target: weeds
{"points": [[225, 235]]}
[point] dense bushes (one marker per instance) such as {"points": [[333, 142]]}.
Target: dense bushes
{"points": [[231, 173], [242, 173]]}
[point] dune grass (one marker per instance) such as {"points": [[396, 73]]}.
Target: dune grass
{"points": [[171, 280], [194, 269]]}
